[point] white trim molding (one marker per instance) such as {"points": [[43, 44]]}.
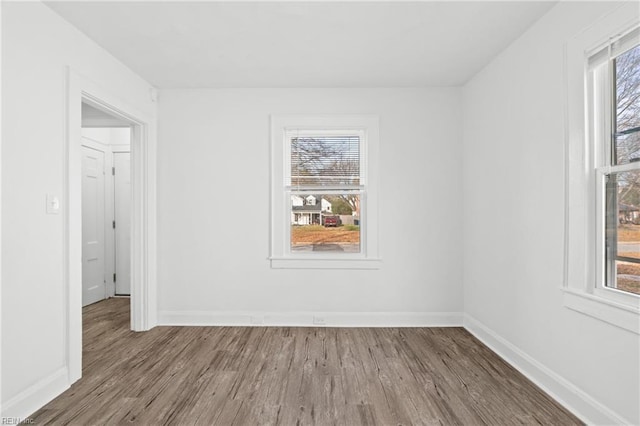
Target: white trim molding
{"points": [[283, 127], [143, 223], [310, 319], [288, 263], [584, 281], [566, 393], [36, 396], [618, 314]]}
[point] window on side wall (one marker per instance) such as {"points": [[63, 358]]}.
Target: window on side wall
{"points": [[614, 98], [324, 192], [602, 227]]}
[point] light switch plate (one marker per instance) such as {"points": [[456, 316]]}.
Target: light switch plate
{"points": [[53, 204]]}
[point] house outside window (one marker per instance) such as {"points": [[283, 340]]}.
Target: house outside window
{"points": [[324, 192]]}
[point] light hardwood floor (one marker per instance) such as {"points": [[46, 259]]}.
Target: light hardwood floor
{"points": [[292, 376]]}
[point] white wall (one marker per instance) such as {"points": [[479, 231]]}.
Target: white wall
{"points": [[513, 225], [213, 235], [36, 47], [111, 136], [213, 216]]}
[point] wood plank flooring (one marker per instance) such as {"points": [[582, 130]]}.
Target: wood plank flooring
{"points": [[292, 376]]}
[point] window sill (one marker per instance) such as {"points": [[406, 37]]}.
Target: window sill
{"points": [[626, 317], [292, 263]]}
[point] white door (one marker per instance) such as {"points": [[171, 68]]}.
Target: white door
{"points": [[93, 233], [122, 212]]}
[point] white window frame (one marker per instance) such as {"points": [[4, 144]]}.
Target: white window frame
{"points": [[588, 129], [601, 99], [283, 127]]}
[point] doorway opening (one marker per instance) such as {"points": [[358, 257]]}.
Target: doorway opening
{"points": [[110, 106], [106, 205]]}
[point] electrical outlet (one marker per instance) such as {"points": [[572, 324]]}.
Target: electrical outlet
{"points": [[318, 320]]}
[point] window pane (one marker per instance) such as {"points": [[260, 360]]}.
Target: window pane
{"points": [[627, 148], [622, 233], [627, 87], [628, 90], [325, 160], [628, 277], [322, 222]]}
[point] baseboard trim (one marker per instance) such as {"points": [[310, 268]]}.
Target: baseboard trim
{"points": [[36, 396], [581, 404], [566, 393], [311, 319]]}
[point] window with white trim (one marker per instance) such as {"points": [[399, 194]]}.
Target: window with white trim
{"points": [[324, 191], [602, 170], [614, 121], [326, 167]]}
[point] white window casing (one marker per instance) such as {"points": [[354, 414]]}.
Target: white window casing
{"points": [[588, 161], [283, 128]]}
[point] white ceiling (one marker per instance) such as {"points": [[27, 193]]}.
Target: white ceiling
{"points": [[303, 44]]}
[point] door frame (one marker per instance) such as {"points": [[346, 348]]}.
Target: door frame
{"points": [[143, 211], [112, 208]]}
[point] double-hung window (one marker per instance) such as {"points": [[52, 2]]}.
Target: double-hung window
{"points": [[325, 181], [602, 228], [614, 83], [324, 192]]}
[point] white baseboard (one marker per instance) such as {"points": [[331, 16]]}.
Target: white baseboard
{"points": [[566, 393], [581, 404], [36, 396], [311, 319]]}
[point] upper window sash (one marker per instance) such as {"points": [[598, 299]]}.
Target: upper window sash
{"points": [[602, 118], [614, 47], [290, 182]]}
